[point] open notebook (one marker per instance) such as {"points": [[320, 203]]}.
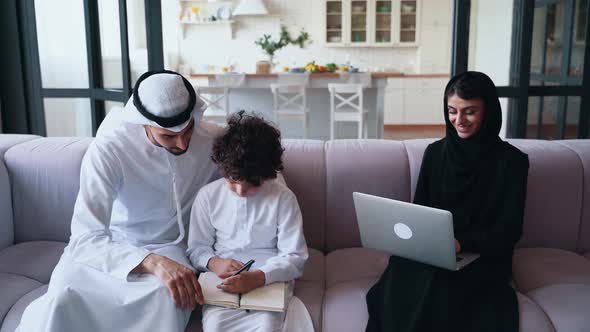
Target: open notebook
{"points": [[273, 297]]}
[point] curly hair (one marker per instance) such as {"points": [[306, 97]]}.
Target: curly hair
{"points": [[250, 149]]}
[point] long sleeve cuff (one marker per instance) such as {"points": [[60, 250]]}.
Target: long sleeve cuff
{"points": [[122, 270], [203, 260], [276, 274]]}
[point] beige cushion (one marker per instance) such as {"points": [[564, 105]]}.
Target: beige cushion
{"points": [[351, 264], [538, 267], [345, 306]]}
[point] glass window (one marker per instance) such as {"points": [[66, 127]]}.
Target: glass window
{"points": [[554, 39], [62, 43], [491, 24], [68, 117], [579, 40], [572, 117], [136, 29], [109, 105], [110, 44]]}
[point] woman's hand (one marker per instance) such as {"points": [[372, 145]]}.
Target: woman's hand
{"points": [[180, 280], [457, 246], [223, 267], [243, 282]]}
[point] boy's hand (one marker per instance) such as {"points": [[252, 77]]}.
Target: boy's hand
{"points": [[223, 267], [243, 282]]}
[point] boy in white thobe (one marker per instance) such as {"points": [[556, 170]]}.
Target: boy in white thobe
{"points": [[137, 183], [247, 215]]}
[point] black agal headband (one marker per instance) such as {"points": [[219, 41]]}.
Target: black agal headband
{"points": [[165, 122]]}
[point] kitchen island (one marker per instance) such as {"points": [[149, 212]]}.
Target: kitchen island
{"points": [[252, 92]]}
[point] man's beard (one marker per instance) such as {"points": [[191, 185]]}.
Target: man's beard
{"points": [[176, 152]]}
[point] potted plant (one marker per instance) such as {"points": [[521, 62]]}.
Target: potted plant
{"points": [[270, 47]]}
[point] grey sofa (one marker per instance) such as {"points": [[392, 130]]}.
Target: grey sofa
{"points": [[39, 179]]}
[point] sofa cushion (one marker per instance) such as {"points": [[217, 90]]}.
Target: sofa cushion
{"points": [[565, 305], [12, 288], [315, 267], [553, 203], [415, 149], [35, 260], [311, 293], [309, 288], [305, 174], [13, 317], [376, 167], [345, 306], [351, 264], [538, 267], [582, 148], [345, 309], [531, 316], [45, 174]]}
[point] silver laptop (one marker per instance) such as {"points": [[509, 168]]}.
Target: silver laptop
{"points": [[408, 230]]}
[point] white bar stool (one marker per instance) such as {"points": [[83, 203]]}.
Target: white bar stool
{"points": [[346, 105], [217, 100], [290, 101]]}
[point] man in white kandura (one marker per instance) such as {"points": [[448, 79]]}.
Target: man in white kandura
{"points": [[125, 268], [249, 214]]}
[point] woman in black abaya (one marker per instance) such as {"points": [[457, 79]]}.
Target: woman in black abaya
{"points": [[482, 181]]}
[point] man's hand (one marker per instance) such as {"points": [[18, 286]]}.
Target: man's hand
{"points": [[223, 267], [243, 282], [180, 280], [457, 246]]}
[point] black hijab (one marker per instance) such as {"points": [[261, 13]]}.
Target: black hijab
{"points": [[468, 163]]}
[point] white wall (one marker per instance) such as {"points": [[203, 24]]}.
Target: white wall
{"points": [[212, 45]]}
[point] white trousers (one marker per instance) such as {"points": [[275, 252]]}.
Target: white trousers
{"points": [[220, 319]]}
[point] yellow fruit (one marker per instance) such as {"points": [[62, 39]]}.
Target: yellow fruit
{"points": [[224, 69], [285, 68]]}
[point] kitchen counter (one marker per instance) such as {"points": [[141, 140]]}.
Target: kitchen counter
{"points": [[330, 75], [252, 92]]}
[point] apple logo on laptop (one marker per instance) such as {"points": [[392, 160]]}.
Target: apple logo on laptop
{"points": [[402, 231]]}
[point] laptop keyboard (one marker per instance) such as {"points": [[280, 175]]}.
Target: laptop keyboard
{"points": [[458, 259]]}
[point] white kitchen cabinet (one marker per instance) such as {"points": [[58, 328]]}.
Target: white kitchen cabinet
{"points": [[371, 23], [414, 100]]}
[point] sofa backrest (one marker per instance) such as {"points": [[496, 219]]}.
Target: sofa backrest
{"points": [[553, 212], [554, 195], [6, 218], [45, 177], [582, 149], [305, 174], [376, 167]]}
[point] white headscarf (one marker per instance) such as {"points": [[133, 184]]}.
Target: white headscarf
{"points": [[163, 96]]}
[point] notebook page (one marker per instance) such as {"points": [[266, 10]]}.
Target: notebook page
{"points": [[270, 298], [214, 295]]}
